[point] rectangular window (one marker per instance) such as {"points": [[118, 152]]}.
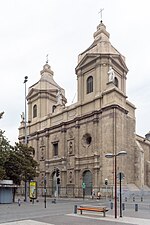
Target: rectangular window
{"points": [[55, 149]]}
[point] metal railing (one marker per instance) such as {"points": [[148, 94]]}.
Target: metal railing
{"points": [[70, 192]]}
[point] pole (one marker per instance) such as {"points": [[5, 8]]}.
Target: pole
{"points": [[57, 193], [83, 193], [25, 131], [115, 158], [25, 115], [120, 195], [110, 155], [45, 191]]}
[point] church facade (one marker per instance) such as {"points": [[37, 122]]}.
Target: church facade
{"points": [[74, 140]]}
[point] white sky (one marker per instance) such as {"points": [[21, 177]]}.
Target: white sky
{"points": [[31, 29]]}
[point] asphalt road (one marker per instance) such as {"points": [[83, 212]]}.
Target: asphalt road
{"points": [[62, 213]]}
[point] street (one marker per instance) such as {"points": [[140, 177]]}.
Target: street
{"points": [[62, 213]]}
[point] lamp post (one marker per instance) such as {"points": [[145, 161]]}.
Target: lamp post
{"points": [[25, 130], [110, 155], [45, 190], [25, 113]]}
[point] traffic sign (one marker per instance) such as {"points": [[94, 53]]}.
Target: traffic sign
{"points": [[120, 176], [83, 185]]}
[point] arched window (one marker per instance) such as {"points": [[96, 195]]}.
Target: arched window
{"points": [[53, 108], [34, 111], [89, 84], [116, 81]]}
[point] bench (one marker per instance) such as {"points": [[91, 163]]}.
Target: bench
{"points": [[92, 208]]}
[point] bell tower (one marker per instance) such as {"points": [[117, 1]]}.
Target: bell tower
{"points": [[101, 69], [44, 96], [101, 79]]}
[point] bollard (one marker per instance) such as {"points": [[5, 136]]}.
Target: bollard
{"points": [[123, 206], [111, 205], [125, 199], [75, 209], [19, 202], [136, 207]]}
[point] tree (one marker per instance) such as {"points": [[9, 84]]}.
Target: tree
{"points": [[1, 114], [5, 147], [20, 165], [16, 163], [13, 168]]}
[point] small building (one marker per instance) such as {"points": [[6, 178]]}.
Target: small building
{"points": [[6, 191]]}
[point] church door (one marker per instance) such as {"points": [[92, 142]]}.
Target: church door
{"points": [[87, 179], [53, 184]]}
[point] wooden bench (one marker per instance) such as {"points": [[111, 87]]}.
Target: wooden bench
{"points": [[92, 208]]}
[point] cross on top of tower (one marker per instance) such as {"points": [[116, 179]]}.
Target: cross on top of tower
{"points": [[47, 58], [100, 12]]}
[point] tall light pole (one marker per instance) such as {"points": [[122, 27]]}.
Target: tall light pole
{"points": [[45, 190], [25, 108], [25, 129], [110, 155]]}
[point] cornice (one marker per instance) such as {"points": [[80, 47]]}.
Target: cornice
{"points": [[76, 121]]}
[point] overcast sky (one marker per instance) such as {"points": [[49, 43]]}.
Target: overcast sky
{"points": [[31, 29]]}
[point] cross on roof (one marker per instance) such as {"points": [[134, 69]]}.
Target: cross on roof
{"points": [[100, 12], [47, 58]]}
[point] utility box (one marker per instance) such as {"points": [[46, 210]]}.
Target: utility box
{"points": [[6, 191]]}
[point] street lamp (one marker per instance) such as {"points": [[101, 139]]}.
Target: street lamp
{"points": [[45, 190], [25, 130], [110, 155], [25, 113]]}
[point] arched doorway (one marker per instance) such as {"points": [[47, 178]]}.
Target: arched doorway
{"points": [[87, 179], [53, 183]]}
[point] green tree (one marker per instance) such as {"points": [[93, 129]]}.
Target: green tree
{"points": [[5, 148], [16, 163], [20, 164], [1, 114]]}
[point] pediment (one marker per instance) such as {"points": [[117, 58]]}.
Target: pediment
{"points": [[34, 92], [91, 57], [119, 60], [88, 58]]}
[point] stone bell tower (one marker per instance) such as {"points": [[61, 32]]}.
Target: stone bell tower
{"points": [[101, 79], [44, 96], [94, 67]]}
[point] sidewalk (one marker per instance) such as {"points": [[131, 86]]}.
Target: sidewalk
{"points": [[128, 220], [63, 213]]}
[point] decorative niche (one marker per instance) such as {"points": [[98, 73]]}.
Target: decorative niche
{"points": [[70, 147], [70, 177]]}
